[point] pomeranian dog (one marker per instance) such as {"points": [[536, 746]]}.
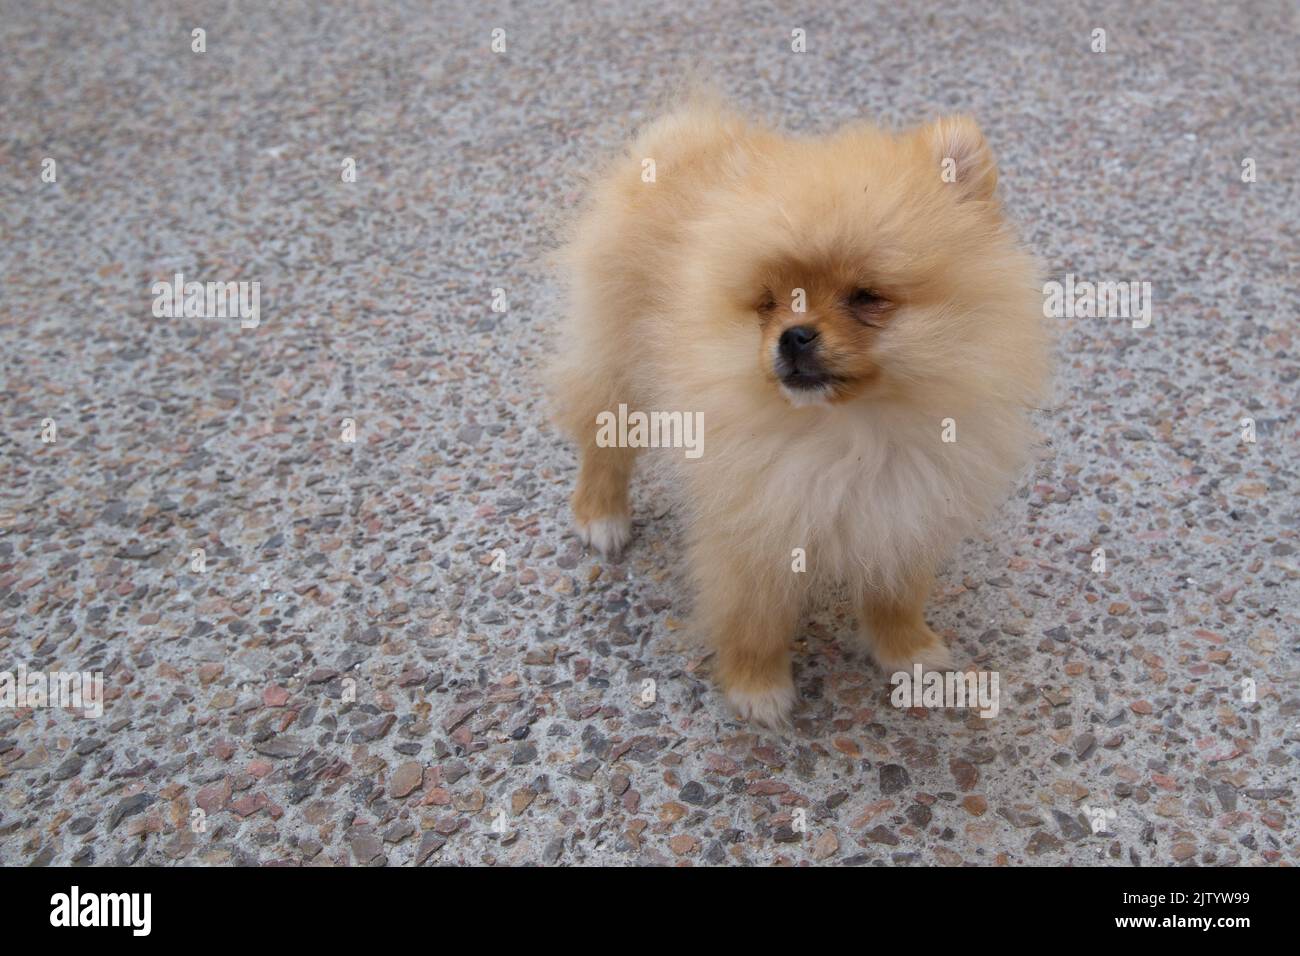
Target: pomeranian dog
{"points": [[857, 329]]}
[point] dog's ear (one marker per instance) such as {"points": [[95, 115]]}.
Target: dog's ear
{"points": [[962, 157]]}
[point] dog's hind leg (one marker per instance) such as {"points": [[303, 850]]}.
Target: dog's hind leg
{"points": [[589, 386], [600, 502]]}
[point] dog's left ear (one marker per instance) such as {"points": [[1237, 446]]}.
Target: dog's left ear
{"points": [[962, 157]]}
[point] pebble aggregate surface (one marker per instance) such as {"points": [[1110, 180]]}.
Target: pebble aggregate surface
{"points": [[396, 651]]}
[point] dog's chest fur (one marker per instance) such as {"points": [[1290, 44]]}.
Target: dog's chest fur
{"points": [[871, 499]]}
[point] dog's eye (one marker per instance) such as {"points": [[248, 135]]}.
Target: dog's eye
{"points": [[766, 304], [868, 306]]}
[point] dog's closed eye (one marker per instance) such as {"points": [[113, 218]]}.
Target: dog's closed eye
{"points": [[868, 306]]}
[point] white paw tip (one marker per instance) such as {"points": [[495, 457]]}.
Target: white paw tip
{"points": [[607, 535], [769, 707], [937, 657]]}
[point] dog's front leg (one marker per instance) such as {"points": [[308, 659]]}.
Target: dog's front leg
{"points": [[895, 629], [749, 612]]}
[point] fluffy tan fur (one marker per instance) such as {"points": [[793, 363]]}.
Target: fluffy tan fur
{"points": [[925, 309]]}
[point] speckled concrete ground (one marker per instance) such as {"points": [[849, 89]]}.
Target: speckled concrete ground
{"points": [[496, 714]]}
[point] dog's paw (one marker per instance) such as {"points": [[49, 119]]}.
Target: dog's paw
{"points": [[932, 656], [608, 535], [769, 707]]}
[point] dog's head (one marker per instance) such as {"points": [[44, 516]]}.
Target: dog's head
{"points": [[873, 264]]}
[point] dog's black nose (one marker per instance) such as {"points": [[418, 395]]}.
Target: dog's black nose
{"points": [[797, 340]]}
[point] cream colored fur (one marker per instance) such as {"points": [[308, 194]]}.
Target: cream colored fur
{"points": [[660, 318]]}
